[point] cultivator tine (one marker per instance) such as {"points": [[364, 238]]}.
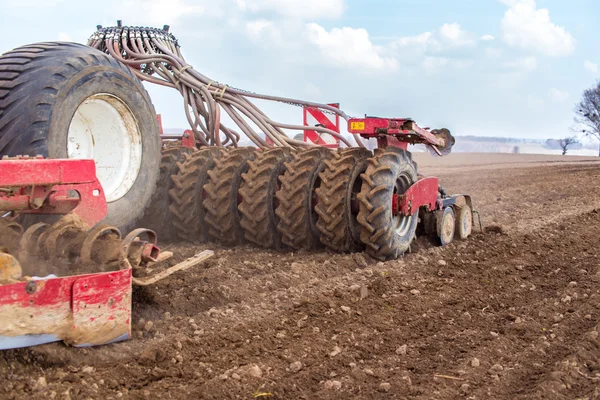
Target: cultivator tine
{"points": [[478, 219], [187, 264]]}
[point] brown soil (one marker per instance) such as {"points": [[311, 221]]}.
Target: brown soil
{"points": [[507, 314]]}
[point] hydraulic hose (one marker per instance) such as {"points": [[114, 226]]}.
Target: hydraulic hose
{"points": [[154, 56]]}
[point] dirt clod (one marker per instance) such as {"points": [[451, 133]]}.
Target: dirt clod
{"points": [[332, 385], [384, 387], [296, 366]]}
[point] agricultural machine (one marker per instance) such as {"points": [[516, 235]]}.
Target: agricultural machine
{"points": [[83, 161]]}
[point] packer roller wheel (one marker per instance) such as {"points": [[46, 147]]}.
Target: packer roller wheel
{"points": [[297, 198], [257, 208], [222, 196], [337, 206], [385, 234], [187, 194]]}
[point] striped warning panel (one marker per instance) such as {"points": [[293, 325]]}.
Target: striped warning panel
{"points": [[316, 117]]}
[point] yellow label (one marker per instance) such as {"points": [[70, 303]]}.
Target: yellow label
{"points": [[357, 126]]}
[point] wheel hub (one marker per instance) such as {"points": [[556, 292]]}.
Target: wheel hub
{"points": [[104, 129]]}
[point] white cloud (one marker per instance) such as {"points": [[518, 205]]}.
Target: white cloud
{"points": [[349, 48], [448, 36], [558, 96], [261, 28], [529, 28], [160, 12], [591, 67], [432, 64], [493, 52], [462, 64], [525, 63], [64, 37], [488, 38], [304, 9]]}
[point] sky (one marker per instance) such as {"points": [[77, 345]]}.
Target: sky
{"points": [[478, 67]]}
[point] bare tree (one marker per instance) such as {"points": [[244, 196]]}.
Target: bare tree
{"points": [[565, 143], [588, 113]]}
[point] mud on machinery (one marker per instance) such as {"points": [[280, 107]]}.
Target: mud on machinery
{"points": [[83, 162]]}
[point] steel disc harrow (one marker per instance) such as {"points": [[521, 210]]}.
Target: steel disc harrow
{"points": [[70, 242]]}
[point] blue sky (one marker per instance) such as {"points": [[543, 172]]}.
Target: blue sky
{"points": [[479, 67]]}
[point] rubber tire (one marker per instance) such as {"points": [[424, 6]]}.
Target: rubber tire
{"points": [[379, 235], [297, 218], [340, 231], [187, 194], [221, 202], [157, 216], [41, 87], [257, 208], [463, 227], [442, 221]]}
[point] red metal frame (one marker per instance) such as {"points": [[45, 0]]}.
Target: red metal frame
{"points": [[314, 136], [422, 193], [401, 129], [39, 186], [82, 310]]}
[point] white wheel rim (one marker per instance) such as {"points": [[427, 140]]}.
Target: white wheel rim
{"points": [[402, 223], [105, 130]]}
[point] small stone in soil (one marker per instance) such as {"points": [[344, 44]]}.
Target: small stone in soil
{"points": [[384, 387], [475, 362], [332, 385], [345, 308], [88, 370], [442, 263], [296, 366], [335, 352], [148, 326], [497, 368], [402, 350]]}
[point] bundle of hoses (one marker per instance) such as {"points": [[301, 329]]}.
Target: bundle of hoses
{"points": [[154, 55]]}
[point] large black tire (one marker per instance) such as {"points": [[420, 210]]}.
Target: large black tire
{"points": [[157, 215], [258, 204], [187, 194], [41, 87], [386, 236], [222, 196], [297, 218], [340, 184]]}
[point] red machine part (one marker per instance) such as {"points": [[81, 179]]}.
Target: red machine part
{"points": [[39, 186], [83, 310], [422, 193], [393, 131]]}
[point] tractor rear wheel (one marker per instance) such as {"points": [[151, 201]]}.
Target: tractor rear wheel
{"points": [[297, 198], [258, 204], [386, 235], [337, 205], [66, 100]]}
